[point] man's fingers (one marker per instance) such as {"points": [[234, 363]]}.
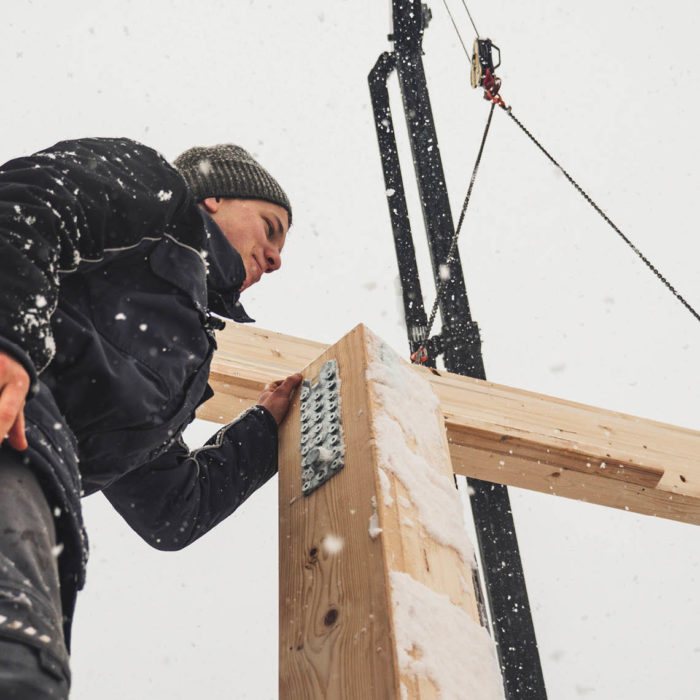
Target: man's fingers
{"points": [[11, 405], [17, 436], [285, 386], [14, 385], [277, 396]]}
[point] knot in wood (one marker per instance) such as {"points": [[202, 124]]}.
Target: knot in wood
{"points": [[331, 617]]}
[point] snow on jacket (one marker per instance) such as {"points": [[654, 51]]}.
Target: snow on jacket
{"points": [[109, 272]]}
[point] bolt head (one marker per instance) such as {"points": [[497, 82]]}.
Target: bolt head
{"points": [[328, 370]]}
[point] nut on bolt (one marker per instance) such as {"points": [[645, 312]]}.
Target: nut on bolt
{"points": [[328, 370], [320, 455]]}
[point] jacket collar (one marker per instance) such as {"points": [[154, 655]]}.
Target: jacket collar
{"points": [[225, 273]]}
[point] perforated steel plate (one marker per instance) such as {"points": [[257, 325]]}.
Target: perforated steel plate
{"points": [[322, 445]]}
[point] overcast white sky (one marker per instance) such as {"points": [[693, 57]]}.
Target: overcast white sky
{"points": [[565, 308]]}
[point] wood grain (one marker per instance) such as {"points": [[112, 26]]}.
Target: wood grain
{"points": [[335, 623]]}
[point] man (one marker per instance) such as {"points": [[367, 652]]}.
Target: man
{"points": [[111, 265]]}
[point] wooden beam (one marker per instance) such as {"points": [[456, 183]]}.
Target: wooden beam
{"points": [[376, 595], [554, 446], [506, 435]]}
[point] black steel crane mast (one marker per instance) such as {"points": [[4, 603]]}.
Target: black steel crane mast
{"points": [[459, 339]]}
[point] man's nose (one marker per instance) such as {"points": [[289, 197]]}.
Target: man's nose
{"points": [[273, 259]]}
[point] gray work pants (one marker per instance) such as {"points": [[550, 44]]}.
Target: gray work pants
{"points": [[33, 655]]}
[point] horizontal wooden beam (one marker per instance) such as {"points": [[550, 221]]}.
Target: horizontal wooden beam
{"points": [[505, 435]]}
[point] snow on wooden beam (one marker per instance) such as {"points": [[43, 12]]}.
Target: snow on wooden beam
{"points": [[376, 593], [505, 435]]}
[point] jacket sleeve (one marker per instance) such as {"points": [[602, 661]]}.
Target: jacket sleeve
{"points": [[71, 203], [181, 495]]}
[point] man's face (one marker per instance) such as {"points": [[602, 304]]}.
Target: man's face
{"points": [[255, 228]]}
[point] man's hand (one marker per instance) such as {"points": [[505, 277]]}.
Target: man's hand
{"points": [[14, 385], [277, 396]]}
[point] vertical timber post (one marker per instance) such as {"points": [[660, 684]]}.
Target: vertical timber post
{"points": [[376, 593]]}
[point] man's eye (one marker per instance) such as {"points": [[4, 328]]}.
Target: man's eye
{"points": [[270, 230]]}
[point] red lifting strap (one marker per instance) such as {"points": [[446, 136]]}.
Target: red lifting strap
{"points": [[496, 99], [420, 356], [491, 83]]}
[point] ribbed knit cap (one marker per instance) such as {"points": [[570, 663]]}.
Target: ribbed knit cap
{"points": [[226, 170]]}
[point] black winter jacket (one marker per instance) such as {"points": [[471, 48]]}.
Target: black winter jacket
{"points": [[109, 272]]}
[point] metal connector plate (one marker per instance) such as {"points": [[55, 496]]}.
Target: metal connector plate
{"points": [[322, 445]]}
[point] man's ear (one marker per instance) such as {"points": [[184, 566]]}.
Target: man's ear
{"points": [[211, 204]]}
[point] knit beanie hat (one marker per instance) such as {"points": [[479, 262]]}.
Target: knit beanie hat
{"points": [[227, 170]]}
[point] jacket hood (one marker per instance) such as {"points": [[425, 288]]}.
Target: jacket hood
{"points": [[225, 273]]}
